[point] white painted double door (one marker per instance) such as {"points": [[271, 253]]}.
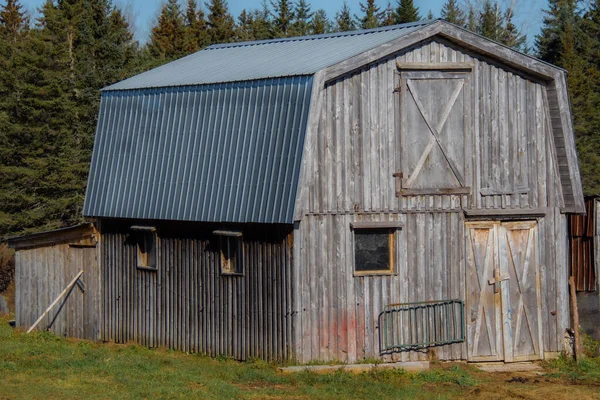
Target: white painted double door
{"points": [[503, 313]]}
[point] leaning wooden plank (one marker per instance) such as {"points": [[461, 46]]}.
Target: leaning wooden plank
{"points": [[55, 301]]}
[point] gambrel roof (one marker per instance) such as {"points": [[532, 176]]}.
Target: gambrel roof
{"points": [[219, 135]]}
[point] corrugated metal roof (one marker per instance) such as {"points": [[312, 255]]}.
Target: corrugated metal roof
{"points": [[265, 59], [222, 152]]}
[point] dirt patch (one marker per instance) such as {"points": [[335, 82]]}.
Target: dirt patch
{"points": [[530, 386]]}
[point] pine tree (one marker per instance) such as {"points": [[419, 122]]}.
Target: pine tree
{"points": [[167, 41], [371, 15], [490, 21], [511, 36], [389, 15], [472, 20], [319, 23], [47, 129], [343, 19], [243, 28], [283, 16], [452, 13], [430, 15], [196, 31], [568, 40], [262, 26], [220, 22], [558, 22], [406, 12], [302, 18]]}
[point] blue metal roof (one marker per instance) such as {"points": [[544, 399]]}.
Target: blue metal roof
{"points": [[216, 136], [228, 152], [266, 59]]}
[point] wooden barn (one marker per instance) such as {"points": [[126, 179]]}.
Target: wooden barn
{"points": [[401, 192]]}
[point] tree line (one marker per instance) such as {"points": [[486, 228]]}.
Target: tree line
{"points": [[51, 70]]}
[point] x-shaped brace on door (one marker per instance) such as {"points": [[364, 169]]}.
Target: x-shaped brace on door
{"points": [[435, 133]]}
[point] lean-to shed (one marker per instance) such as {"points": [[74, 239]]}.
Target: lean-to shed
{"points": [[294, 198], [59, 269]]}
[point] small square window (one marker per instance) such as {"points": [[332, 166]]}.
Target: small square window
{"points": [[374, 251], [145, 237], [230, 249]]}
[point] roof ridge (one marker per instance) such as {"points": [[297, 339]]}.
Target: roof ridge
{"points": [[321, 36]]}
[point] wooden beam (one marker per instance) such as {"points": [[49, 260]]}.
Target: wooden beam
{"points": [[375, 224], [447, 66], [577, 350], [433, 191], [506, 212]]}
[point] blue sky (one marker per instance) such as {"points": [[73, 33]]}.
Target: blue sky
{"points": [[145, 12]]}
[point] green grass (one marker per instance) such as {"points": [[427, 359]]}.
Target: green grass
{"points": [[44, 366], [584, 371]]}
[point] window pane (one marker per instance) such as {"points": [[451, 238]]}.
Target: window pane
{"points": [[372, 249]]}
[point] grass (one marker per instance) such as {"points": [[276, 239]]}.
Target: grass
{"points": [[42, 365]]}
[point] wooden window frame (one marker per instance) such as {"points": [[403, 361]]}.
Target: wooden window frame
{"points": [[392, 227], [146, 237], [224, 237]]}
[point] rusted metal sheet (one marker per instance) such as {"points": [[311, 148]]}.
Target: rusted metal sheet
{"points": [[582, 260], [188, 304]]}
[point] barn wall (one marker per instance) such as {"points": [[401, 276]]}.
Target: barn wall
{"points": [[351, 155], [42, 273], [187, 304]]}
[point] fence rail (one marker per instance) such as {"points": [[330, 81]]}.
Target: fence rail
{"points": [[415, 326]]}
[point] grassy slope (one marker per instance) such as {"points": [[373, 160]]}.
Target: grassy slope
{"points": [[42, 365]]}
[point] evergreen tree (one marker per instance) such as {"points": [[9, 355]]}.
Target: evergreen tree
{"points": [[13, 21], [452, 13], [254, 24], [389, 15], [301, 24], [570, 40], [558, 23], [343, 19], [283, 16], [472, 20], [319, 23], [243, 28], [490, 21], [196, 31], [220, 22], [511, 36], [262, 27], [168, 37], [406, 12], [430, 15], [48, 122], [371, 15]]}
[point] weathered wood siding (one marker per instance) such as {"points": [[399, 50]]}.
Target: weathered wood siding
{"points": [[352, 151], [42, 273], [187, 304]]}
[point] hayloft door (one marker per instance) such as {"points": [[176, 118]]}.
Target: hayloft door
{"points": [[435, 119], [503, 292]]}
